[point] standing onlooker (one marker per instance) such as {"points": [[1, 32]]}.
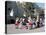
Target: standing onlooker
{"points": [[41, 22]]}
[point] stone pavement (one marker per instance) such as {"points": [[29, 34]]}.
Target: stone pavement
{"points": [[11, 29]]}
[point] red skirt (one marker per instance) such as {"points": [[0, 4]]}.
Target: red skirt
{"points": [[30, 24], [17, 24]]}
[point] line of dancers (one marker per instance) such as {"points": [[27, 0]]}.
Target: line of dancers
{"points": [[28, 23]]}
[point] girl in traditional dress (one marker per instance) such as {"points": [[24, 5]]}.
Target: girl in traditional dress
{"points": [[17, 23]]}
